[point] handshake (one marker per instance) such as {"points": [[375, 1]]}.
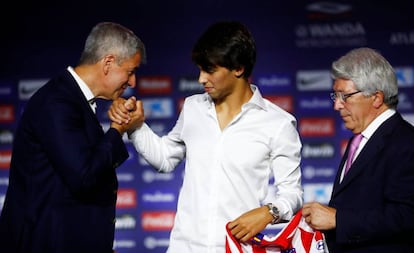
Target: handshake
{"points": [[126, 115]]}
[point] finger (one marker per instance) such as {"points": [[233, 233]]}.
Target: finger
{"points": [[246, 237], [130, 104], [116, 118], [140, 107], [121, 112], [237, 233], [119, 101], [113, 116], [231, 225]]}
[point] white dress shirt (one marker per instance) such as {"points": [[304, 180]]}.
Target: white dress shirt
{"points": [[227, 172], [84, 87], [368, 132]]}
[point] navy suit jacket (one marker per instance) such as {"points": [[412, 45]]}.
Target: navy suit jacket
{"points": [[62, 186], [375, 200]]}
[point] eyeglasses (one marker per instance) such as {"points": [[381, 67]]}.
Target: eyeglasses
{"points": [[341, 96]]}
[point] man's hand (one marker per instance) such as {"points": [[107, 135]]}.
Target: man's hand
{"points": [[249, 224], [318, 216], [126, 114], [120, 109]]}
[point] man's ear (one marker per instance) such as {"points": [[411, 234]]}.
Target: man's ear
{"points": [[378, 99], [239, 72], [107, 61]]}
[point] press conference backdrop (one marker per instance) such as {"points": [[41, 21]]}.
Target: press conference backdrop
{"points": [[296, 44]]}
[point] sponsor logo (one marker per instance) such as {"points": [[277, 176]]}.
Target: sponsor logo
{"points": [[313, 80], [158, 108], [319, 150], [317, 192], [127, 244], [158, 197], [125, 177], [149, 176], [5, 158], [330, 8], [28, 87], [315, 103], [127, 198], [316, 127], [152, 242], [330, 35], [310, 172], [125, 221], [6, 136], [321, 245], [155, 85], [341, 30], [157, 220], [268, 83], [7, 114], [402, 38], [405, 76], [284, 102], [189, 85]]}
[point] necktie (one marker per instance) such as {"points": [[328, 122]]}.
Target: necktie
{"points": [[354, 146], [92, 103]]}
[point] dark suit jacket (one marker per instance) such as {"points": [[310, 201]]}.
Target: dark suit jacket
{"points": [[62, 186], [375, 200]]}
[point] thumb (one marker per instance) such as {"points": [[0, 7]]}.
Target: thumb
{"points": [[139, 106], [130, 104]]}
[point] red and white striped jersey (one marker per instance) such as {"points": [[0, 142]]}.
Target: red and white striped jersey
{"points": [[295, 237]]}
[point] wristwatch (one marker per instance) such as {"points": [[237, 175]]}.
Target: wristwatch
{"points": [[274, 212]]}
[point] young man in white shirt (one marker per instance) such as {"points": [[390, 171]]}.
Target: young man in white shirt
{"points": [[233, 141]]}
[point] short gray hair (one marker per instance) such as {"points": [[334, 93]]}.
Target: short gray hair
{"points": [[370, 72], [111, 38]]}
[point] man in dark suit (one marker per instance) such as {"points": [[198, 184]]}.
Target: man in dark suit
{"points": [[372, 205], [63, 186]]}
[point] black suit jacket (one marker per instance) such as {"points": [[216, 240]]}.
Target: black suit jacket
{"points": [[375, 200], [62, 186]]}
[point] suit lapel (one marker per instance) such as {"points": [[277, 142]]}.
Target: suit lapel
{"points": [[92, 124], [371, 149]]}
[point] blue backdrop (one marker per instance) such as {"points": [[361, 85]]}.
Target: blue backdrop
{"points": [[296, 42]]}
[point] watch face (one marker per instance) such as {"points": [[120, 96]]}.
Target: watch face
{"points": [[274, 212]]}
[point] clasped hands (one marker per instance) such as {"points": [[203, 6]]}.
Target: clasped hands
{"points": [[126, 114]]}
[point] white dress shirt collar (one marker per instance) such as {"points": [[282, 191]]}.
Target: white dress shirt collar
{"points": [[84, 87]]}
